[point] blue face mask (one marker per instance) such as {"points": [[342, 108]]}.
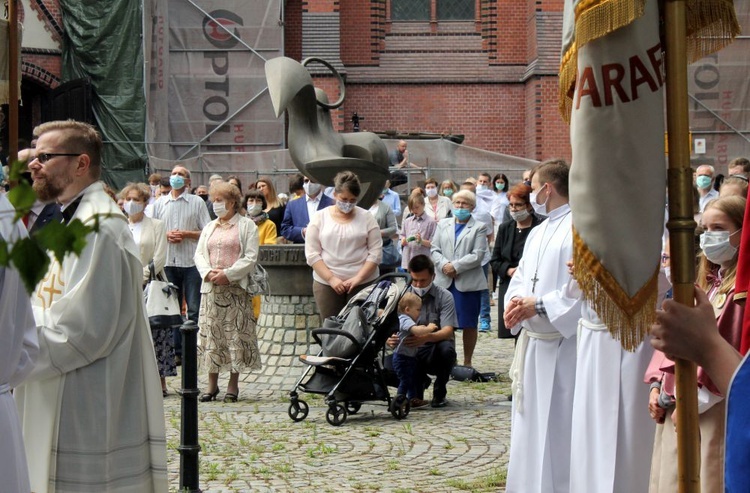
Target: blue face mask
{"points": [[462, 214], [448, 192], [703, 181], [176, 181]]}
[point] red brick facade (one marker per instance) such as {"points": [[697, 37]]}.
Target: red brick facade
{"points": [[492, 79]]}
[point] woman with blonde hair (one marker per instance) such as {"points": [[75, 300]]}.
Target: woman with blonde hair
{"points": [[274, 207], [734, 185], [447, 188], [226, 255], [722, 221]]}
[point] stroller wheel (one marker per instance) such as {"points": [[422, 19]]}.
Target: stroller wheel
{"points": [[298, 410], [400, 407], [336, 414], [353, 407]]}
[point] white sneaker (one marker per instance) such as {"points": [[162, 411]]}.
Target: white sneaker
{"points": [[494, 295]]}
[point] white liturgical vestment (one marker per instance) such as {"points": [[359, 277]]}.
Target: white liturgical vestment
{"points": [[544, 365], [613, 434], [92, 409], [18, 349]]}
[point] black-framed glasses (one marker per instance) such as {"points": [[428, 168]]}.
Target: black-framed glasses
{"points": [[46, 156]]}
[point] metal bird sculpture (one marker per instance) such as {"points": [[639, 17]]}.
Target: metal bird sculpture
{"points": [[315, 147]]}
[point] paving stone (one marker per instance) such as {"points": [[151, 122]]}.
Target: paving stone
{"points": [[253, 445]]}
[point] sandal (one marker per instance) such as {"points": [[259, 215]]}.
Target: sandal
{"points": [[230, 397], [207, 397]]}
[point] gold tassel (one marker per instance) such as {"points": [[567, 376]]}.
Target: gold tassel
{"points": [[594, 19], [567, 80], [597, 18], [711, 25], [627, 319]]}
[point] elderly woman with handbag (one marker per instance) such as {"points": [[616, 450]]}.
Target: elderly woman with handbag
{"points": [[225, 258], [150, 236]]}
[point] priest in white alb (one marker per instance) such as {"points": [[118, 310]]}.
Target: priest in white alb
{"points": [[91, 410], [539, 309], [17, 353]]}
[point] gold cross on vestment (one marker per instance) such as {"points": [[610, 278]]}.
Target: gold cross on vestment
{"points": [[51, 286]]}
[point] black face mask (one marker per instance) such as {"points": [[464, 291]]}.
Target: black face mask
{"points": [[204, 197]]}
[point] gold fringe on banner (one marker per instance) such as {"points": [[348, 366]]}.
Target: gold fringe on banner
{"points": [[594, 19], [627, 319], [711, 25], [567, 80], [597, 18]]}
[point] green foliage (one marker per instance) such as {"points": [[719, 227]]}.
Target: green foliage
{"points": [[31, 261], [29, 255], [22, 197]]}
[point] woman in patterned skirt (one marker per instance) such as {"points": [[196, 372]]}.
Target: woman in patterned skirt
{"points": [[225, 257]]}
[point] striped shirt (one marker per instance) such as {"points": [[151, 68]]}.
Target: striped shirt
{"points": [[186, 213]]}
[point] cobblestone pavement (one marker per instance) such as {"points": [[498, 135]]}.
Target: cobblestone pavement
{"points": [[253, 445]]}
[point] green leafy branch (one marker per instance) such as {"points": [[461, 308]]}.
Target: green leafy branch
{"points": [[29, 255]]}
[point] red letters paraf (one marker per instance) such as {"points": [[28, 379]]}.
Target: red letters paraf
{"points": [[644, 72]]}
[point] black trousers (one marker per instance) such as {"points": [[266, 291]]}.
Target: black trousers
{"points": [[436, 359]]}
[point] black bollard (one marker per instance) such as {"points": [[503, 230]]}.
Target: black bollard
{"points": [[189, 447]]}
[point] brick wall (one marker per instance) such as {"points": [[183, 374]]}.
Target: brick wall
{"points": [[320, 6], [511, 31], [43, 69], [293, 29], [490, 115], [362, 31]]}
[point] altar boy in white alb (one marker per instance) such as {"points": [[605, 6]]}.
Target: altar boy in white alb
{"points": [[538, 308], [92, 411]]}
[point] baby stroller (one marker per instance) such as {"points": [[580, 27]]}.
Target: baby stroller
{"points": [[348, 370]]}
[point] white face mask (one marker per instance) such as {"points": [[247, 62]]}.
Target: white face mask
{"points": [[668, 273], [131, 207], [345, 207], [220, 209], [481, 188], [431, 192], [521, 215], [312, 189], [421, 291], [716, 246], [539, 208], [254, 210]]}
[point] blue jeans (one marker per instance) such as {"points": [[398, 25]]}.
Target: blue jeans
{"points": [[484, 309], [188, 281], [406, 368]]}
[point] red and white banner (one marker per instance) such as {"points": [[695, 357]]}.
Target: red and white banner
{"points": [[612, 88]]}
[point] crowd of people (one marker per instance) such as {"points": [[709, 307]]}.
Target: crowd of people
{"points": [[589, 416], [577, 395]]}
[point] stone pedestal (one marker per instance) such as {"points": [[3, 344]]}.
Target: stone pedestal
{"points": [[286, 317]]}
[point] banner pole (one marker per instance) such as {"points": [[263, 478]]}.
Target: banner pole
{"points": [[681, 227], [13, 54]]}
